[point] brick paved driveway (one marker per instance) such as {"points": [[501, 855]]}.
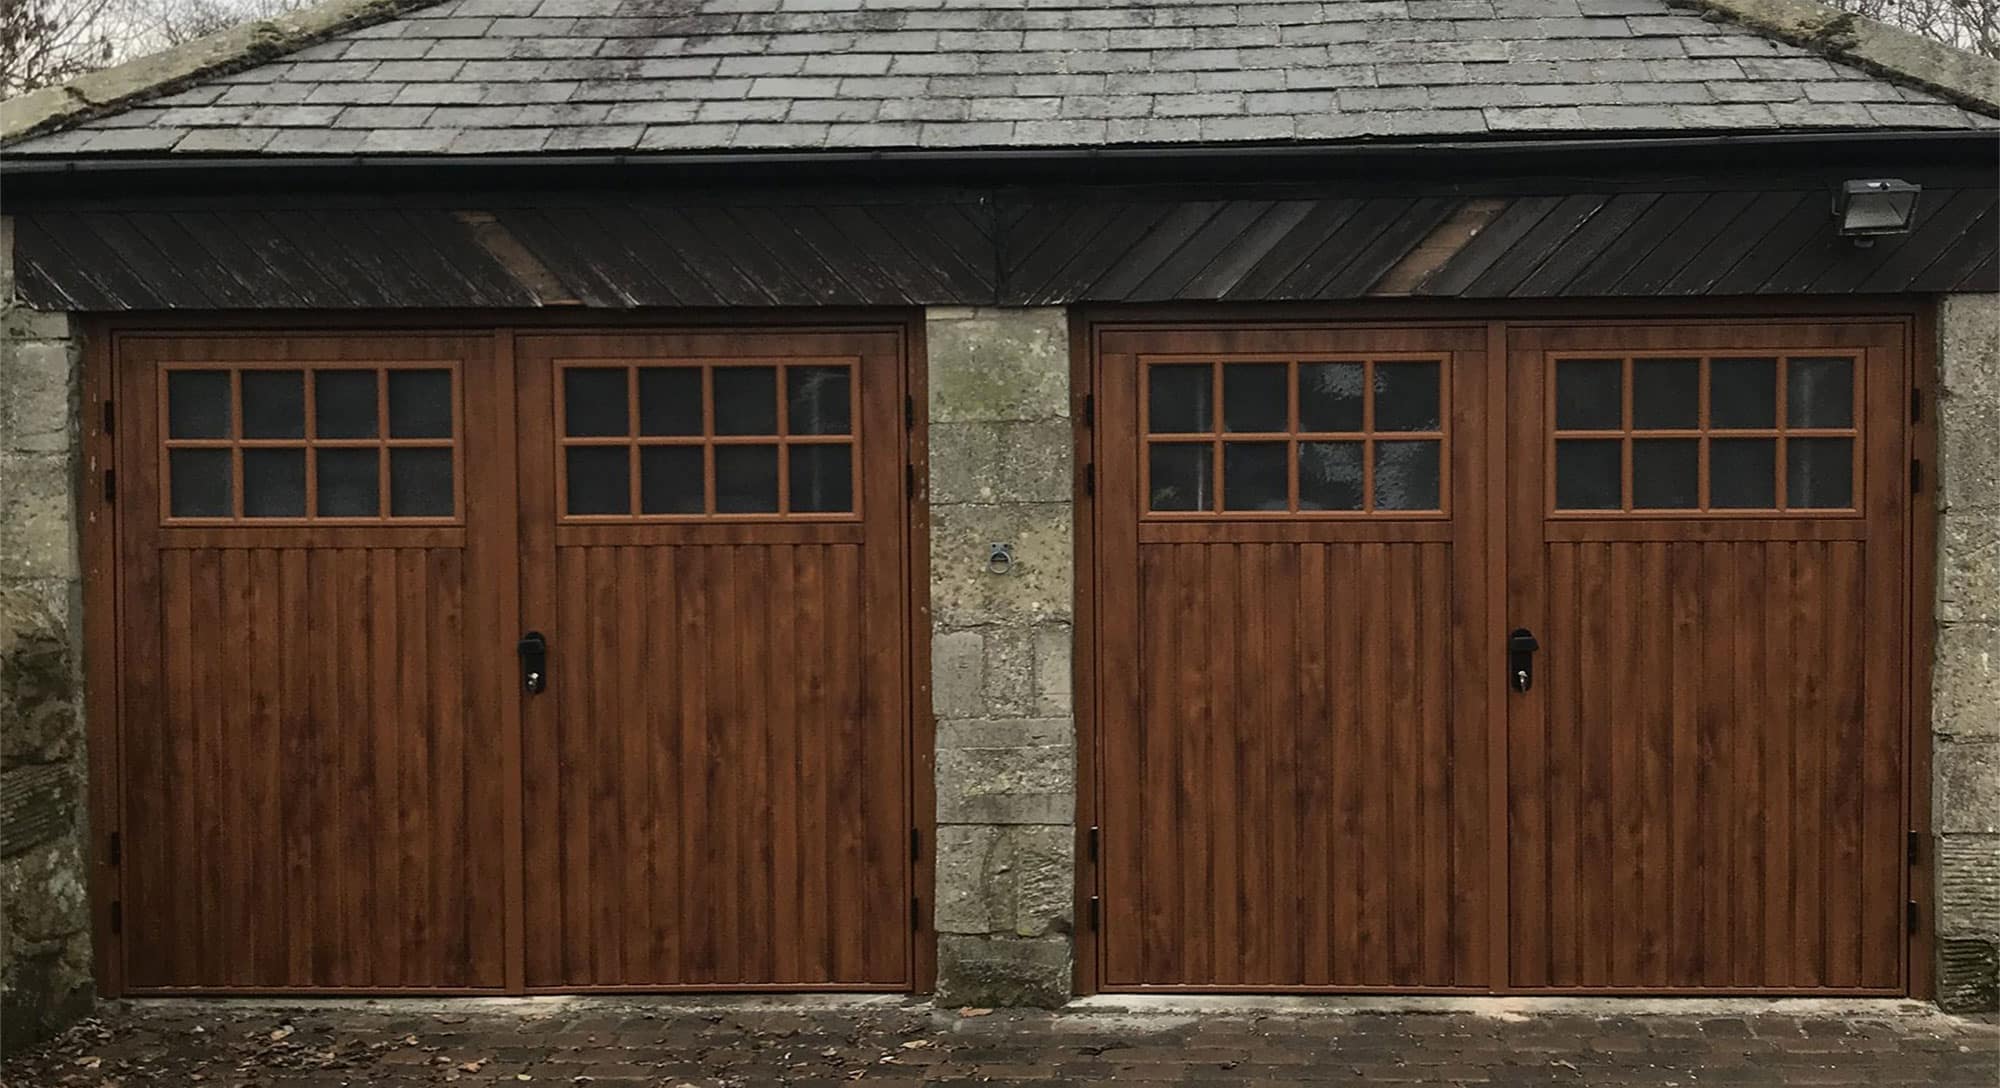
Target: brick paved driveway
{"points": [[743, 1043]]}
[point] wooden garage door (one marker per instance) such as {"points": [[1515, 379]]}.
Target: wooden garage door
{"points": [[1708, 771], [1293, 580], [1314, 770], [333, 776]]}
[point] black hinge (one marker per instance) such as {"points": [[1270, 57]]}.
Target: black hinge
{"points": [[916, 915], [1090, 479], [1916, 405], [110, 485], [1910, 913], [1089, 410], [1093, 842], [107, 418], [1916, 476], [916, 844], [909, 413], [1093, 912], [117, 916], [1916, 847], [114, 850]]}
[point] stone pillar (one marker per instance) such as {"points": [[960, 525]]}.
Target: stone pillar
{"points": [[1965, 750], [45, 968], [1000, 474]]}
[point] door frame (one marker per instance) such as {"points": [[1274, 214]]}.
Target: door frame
{"points": [[1917, 319], [98, 516]]}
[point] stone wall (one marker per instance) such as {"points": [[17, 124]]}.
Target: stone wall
{"points": [[1000, 654], [45, 978], [1966, 683]]}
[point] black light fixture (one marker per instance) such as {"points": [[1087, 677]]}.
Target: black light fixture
{"points": [[1875, 206]]}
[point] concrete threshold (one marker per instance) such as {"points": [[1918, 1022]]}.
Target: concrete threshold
{"points": [[1504, 1008]]}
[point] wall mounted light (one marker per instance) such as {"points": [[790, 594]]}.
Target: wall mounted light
{"points": [[1871, 207]]}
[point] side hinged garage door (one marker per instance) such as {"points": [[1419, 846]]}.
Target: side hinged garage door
{"points": [[513, 662], [1581, 669]]}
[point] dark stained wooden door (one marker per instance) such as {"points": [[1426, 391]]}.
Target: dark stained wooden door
{"points": [[1292, 581], [316, 560], [1708, 538], [716, 779]]}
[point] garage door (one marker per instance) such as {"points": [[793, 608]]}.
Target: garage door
{"points": [[335, 770], [1578, 669]]}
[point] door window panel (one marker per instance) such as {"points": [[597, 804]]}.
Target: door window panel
{"points": [[1705, 434], [1296, 437], [311, 442], [713, 439]]}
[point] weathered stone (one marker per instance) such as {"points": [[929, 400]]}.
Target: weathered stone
{"points": [[1968, 453], [1968, 570], [45, 975], [39, 376], [1054, 647], [1969, 349], [1038, 588], [989, 462], [37, 517], [22, 323], [38, 806], [1005, 880], [1968, 978], [1966, 681], [957, 673], [997, 364], [1968, 786], [1005, 733], [1003, 971], [1006, 785], [1009, 687], [1968, 882]]}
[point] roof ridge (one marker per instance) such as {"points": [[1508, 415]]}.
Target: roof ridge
{"points": [[232, 49], [1960, 76]]}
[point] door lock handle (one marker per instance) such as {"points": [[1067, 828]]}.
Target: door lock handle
{"points": [[534, 651], [1521, 647]]}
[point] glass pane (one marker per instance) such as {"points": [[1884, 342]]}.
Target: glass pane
{"points": [[1743, 393], [1666, 393], [344, 404], [349, 484], [1330, 475], [1589, 394], [1253, 398], [1179, 399], [274, 483], [1743, 473], [746, 401], [1819, 393], [198, 404], [670, 400], [669, 476], [420, 483], [1181, 476], [1406, 397], [746, 479], [822, 479], [274, 405], [1587, 474], [1253, 473], [420, 404], [816, 400], [1666, 472], [598, 479], [1330, 396], [594, 403], [1819, 472], [198, 483], [1406, 476]]}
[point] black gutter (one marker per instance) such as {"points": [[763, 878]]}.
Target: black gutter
{"points": [[1670, 153]]}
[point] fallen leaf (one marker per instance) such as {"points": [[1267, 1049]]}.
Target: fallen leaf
{"points": [[472, 1066], [975, 1012]]}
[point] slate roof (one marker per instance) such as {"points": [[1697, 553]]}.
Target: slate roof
{"points": [[553, 76]]}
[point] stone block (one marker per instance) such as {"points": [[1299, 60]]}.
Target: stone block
{"points": [[1012, 880], [1003, 971], [1030, 785], [1969, 348], [38, 806], [37, 517], [997, 364], [1968, 885], [1054, 649], [1965, 681], [1001, 462], [1006, 733], [1968, 453], [1037, 589], [958, 660], [1968, 568], [38, 679], [23, 323], [1968, 974], [1009, 688], [1967, 789], [40, 378]]}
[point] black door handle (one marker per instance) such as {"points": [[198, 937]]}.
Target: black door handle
{"points": [[534, 651], [1521, 647]]}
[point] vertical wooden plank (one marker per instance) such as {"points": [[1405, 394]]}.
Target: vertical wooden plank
{"points": [[450, 950], [1281, 768], [300, 759], [695, 886], [1808, 728], [1654, 718], [1844, 729], [1402, 773], [1160, 917], [1623, 718], [1197, 717], [782, 780], [812, 638], [1374, 861], [1255, 666], [1315, 768], [1595, 719], [416, 723], [1763, 882], [753, 829], [663, 770], [385, 723], [1353, 695], [1432, 684], [574, 765], [1693, 806], [632, 730], [1224, 573]]}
